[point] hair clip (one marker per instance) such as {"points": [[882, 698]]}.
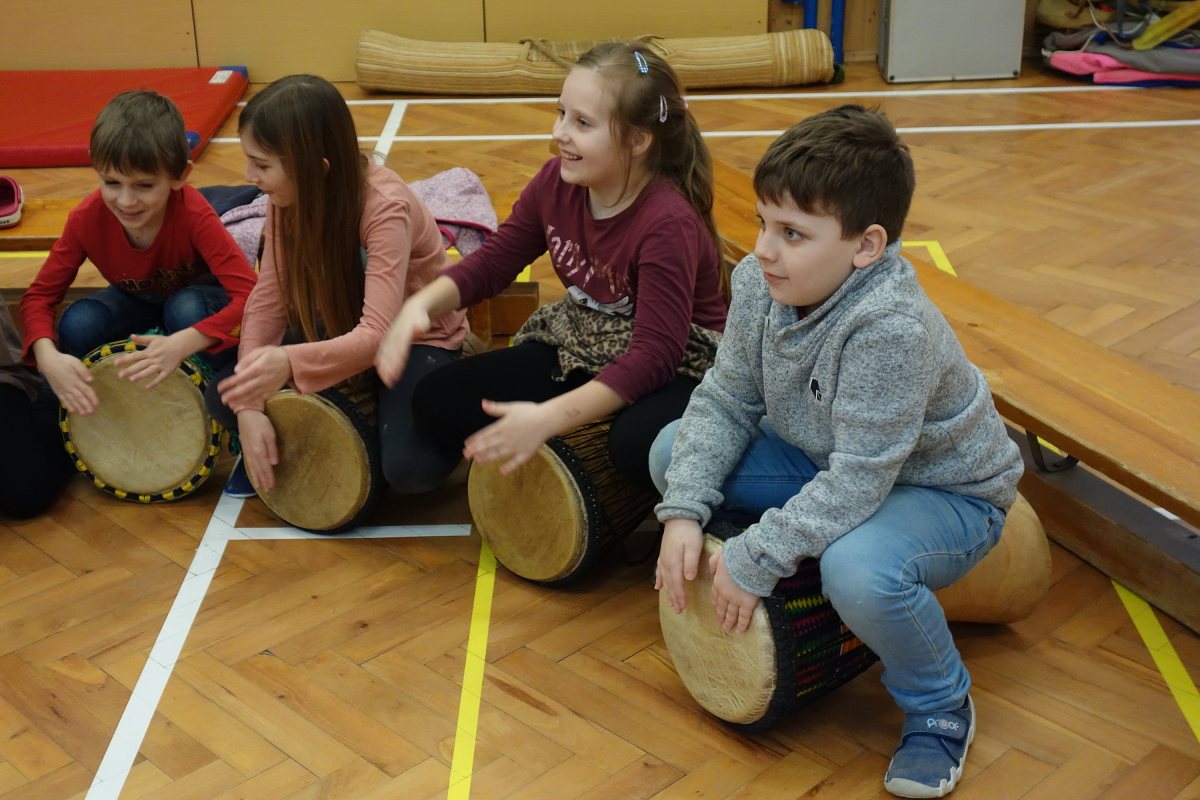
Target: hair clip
{"points": [[642, 65], [662, 109]]}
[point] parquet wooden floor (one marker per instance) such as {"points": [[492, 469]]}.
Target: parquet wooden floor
{"points": [[294, 666]]}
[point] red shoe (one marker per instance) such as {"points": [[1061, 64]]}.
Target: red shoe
{"points": [[11, 201]]}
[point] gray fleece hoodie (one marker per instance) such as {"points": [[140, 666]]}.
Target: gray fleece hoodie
{"points": [[872, 385]]}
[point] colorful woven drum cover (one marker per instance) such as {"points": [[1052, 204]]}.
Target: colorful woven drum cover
{"points": [[146, 446]]}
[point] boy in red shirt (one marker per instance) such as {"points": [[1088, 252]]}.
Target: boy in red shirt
{"points": [[168, 260]]}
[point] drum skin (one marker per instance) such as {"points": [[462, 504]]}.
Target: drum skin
{"points": [[736, 677], [144, 445], [327, 473], [532, 519]]}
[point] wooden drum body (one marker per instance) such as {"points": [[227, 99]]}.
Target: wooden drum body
{"points": [[797, 648], [329, 471], [144, 445], [550, 519]]}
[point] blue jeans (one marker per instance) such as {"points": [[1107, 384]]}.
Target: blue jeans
{"points": [[113, 313], [880, 576]]}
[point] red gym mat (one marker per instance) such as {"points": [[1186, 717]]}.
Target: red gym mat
{"points": [[46, 116]]}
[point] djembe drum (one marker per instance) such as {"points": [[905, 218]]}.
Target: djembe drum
{"points": [[147, 446], [329, 470], [797, 648], [550, 520]]}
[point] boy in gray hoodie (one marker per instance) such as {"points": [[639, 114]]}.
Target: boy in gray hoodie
{"points": [[842, 420]]}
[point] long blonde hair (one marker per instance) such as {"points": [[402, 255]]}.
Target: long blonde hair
{"points": [[303, 120]]}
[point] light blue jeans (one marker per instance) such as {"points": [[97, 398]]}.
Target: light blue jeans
{"points": [[880, 576]]}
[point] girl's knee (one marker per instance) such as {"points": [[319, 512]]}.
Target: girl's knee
{"points": [[858, 582]]}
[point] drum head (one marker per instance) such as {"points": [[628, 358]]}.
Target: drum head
{"points": [[324, 477], [733, 676], [143, 444], [534, 520]]}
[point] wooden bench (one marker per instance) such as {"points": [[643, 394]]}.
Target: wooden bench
{"points": [[42, 221], [1131, 425]]}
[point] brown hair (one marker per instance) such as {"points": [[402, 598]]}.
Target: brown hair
{"points": [[648, 96], [847, 162], [140, 131], [304, 121]]}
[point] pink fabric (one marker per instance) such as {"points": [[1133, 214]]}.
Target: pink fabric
{"points": [[1106, 69]]}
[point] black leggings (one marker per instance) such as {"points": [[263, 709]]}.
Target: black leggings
{"points": [[35, 465], [447, 404]]}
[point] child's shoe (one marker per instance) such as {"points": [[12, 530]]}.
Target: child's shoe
{"points": [[239, 484], [11, 201], [932, 750]]}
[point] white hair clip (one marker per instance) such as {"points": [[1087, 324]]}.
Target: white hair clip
{"points": [[662, 109], [642, 65]]}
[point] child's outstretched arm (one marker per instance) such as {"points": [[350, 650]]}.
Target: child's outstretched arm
{"points": [[415, 318]]}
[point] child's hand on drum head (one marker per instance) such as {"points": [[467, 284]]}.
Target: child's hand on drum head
{"points": [[412, 321], [256, 377], [259, 450], [733, 605], [678, 560], [520, 429], [68, 378], [161, 357]]}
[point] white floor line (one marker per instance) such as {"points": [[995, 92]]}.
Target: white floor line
{"points": [[143, 701]]}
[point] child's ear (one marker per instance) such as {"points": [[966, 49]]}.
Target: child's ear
{"points": [[642, 139], [870, 246], [183, 176]]}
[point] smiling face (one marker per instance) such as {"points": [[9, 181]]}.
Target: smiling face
{"points": [[265, 170], [138, 200], [803, 255], [583, 134]]}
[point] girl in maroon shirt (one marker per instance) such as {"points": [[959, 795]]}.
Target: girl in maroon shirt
{"points": [[625, 212]]}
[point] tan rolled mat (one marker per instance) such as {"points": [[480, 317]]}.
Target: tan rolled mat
{"points": [[392, 63]]}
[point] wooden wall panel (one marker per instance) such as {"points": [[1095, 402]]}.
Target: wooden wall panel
{"points": [[564, 20], [114, 34], [278, 37]]}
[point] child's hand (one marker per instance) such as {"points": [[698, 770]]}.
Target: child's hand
{"points": [[678, 559], [161, 357], [412, 321], [70, 380], [520, 430], [733, 604], [259, 450], [258, 376]]}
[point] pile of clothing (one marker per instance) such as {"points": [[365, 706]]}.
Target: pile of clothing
{"points": [[1132, 43]]}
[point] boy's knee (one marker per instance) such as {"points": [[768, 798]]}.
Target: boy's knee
{"points": [[660, 455], [185, 308], [855, 582], [82, 327]]}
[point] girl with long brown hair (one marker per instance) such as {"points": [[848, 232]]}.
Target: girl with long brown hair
{"points": [[625, 211], [345, 242]]}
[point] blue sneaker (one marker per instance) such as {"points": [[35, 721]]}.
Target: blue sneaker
{"points": [[239, 484], [932, 750]]}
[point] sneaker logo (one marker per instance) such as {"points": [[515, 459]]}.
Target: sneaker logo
{"points": [[943, 724]]}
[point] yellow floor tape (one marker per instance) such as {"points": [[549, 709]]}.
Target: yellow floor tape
{"points": [[463, 761]]}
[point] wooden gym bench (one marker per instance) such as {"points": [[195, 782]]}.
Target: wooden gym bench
{"points": [[1130, 425]]}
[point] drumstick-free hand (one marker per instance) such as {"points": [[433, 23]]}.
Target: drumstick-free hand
{"points": [[392, 356], [68, 378], [519, 430], [259, 375], [734, 606], [161, 356], [678, 560], [259, 449]]}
